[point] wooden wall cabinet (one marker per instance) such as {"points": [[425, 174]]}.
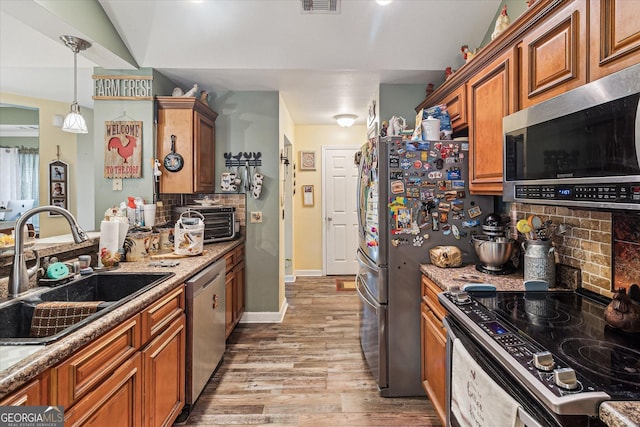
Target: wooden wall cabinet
{"points": [[456, 103], [614, 36], [234, 288], [193, 124], [433, 348], [554, 55], [491, 95]]}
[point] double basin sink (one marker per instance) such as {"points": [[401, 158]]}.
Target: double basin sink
{"points": [[114, 289]]}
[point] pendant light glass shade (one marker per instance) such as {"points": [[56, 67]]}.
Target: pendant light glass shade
{"points": [[74, 122], [345, 120]]}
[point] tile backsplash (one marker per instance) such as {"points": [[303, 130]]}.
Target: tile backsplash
{"points": [[587, 245], [163, 213]]}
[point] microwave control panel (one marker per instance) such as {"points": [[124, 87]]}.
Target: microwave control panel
{"points": [[604, 193]]}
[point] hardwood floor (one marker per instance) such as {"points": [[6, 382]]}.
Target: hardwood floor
{"points": [[306, 371]]}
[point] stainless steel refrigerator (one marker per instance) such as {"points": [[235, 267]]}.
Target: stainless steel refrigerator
{"points": [[412, 196]]}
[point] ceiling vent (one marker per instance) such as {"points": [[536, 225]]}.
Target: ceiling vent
{"points": [[320, 6]]}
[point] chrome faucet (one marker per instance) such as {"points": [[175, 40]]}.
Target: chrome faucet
{"points": [[20, 275]]}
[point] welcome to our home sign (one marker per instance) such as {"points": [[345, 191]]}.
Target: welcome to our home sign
{"points": [[123, 87]]}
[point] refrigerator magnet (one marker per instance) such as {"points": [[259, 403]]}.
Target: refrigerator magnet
{"points": [[474, 211], [397, 187]]}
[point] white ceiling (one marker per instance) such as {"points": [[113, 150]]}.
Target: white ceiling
{"points": [[322, 64]]}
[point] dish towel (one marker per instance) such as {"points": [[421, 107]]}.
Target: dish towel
{"points": [[49, 318], [476, 400]]}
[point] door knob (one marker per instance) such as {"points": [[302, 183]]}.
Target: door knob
{"points": [[329, 218]]}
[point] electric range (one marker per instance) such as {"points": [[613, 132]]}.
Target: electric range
{"points": [[555, 344]]}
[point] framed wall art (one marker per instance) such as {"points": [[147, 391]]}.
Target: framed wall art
{"points": [[307, 195], [58, 185], [307, 160]]}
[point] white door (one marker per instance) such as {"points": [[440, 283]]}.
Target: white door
{"points": [[339, 203]]}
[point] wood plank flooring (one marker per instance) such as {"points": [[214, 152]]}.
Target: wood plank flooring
{"points": [[306, 371]]}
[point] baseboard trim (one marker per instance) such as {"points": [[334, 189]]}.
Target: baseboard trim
{"points": [[265, 316], [313, 273], [290, 278]]}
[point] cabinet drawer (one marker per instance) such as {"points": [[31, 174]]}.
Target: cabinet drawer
{"points": [[239, 254], [91, 366], [161, 313], [230, 259], [32, 394], [430, 293]]}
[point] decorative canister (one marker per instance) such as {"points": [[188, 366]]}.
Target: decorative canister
{"points": [[165, 243], [431, 129], [188, 236], [539, 261], [136, 244]]}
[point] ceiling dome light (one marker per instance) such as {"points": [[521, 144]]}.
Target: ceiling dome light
{"points": [[74, 122], [383, 2], [345, 120]]}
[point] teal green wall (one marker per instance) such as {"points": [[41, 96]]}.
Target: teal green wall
{"points": [[108, 110], [400, 100], [248, 121], [19, 116]]}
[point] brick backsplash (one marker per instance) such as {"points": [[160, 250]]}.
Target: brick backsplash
{"points": [[163, 213], [587, 245]]}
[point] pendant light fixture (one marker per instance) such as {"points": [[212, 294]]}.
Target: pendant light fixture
{"points": [[345, 120], [74, 122]]}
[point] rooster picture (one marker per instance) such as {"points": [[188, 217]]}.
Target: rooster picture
{"points": [[124, 151]]}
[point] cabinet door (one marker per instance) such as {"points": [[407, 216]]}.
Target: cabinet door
{"points": [[117, 401], [178, 122], [238, 302], [456, 103], [614, 36], [435, 364], [491, 95], [229, 295], [31, 394], [554, 55], [88, 368], [164, 375], [204, 154]]}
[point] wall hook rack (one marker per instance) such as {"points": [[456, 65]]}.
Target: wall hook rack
{"points": [[243, 159]]}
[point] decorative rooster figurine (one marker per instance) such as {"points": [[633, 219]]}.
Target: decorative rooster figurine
{"points": [[501, 23], [622, 313]]}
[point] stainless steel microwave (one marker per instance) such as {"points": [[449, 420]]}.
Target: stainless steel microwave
{"points": [[578, 149]]}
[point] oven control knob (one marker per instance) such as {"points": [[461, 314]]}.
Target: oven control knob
{"points": [[543, 361], [462, 298], [565, 378]]}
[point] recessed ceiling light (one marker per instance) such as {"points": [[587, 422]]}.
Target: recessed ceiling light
{"points": [[383, 2]]}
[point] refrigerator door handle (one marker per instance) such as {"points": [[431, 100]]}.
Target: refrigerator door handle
{"points": [[364, 295]]}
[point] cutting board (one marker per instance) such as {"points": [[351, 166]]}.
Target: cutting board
{"points": [[171, 255]]}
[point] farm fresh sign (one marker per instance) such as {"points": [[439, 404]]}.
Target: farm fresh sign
{"points": [[123, 87]]}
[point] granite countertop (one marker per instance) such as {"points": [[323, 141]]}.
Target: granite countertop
{"points": [[20, 364], [612, 413]]}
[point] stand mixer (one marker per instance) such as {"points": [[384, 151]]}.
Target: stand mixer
{"points": [[494, 249]]}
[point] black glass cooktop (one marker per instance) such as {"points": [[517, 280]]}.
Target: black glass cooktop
{"points": [[572, 327]]}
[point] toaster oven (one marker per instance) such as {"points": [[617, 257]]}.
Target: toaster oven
{"points": [[219, 221]]}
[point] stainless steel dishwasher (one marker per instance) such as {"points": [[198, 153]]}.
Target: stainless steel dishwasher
{"points": [[205, 328]]}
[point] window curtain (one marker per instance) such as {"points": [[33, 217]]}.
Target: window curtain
{"points": [[20, 176]]}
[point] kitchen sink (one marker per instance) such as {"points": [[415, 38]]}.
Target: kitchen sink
{"points": [[114, 289]]}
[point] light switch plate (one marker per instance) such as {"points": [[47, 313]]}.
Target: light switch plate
{"points": [[256, 217], [117, 184]]}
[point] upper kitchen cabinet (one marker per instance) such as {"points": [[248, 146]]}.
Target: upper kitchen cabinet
{"points": [[614, 36], [554, 55], [192, 123], [491, 95], [456, 103]]}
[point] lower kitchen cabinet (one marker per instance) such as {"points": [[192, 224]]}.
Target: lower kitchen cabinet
{"points": [[433, 347], [164, 375], [234, 288], [34, 393], [117, 401]]}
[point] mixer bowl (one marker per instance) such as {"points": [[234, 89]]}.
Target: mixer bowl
{"points": [[493, 251]]}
